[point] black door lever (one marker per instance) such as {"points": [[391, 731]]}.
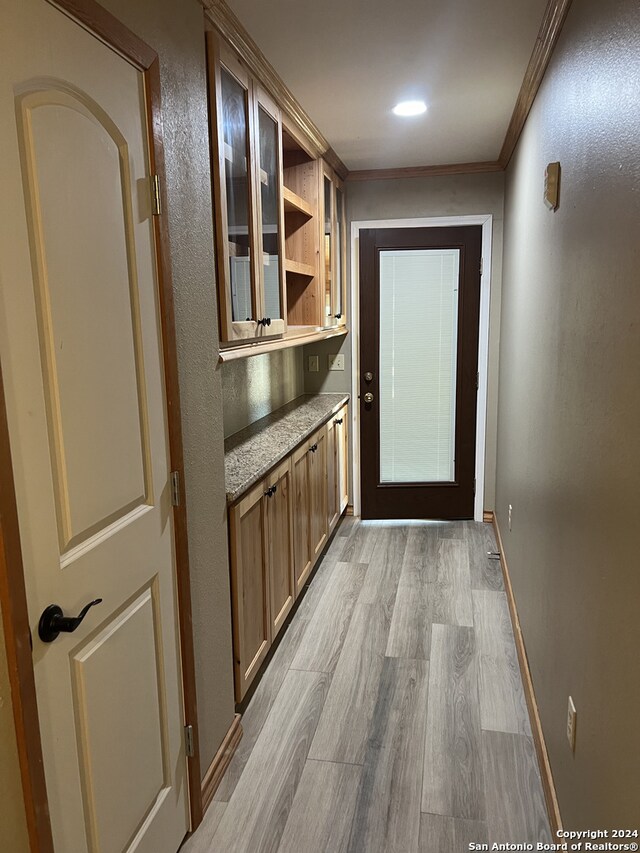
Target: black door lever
{"points": [[53, 621]]}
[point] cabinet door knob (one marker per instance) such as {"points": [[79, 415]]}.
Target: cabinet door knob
{"points": [[313, 448], [338, 421]]}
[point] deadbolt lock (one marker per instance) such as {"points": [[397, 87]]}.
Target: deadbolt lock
{"points": [[368, 397], [368, 376]]}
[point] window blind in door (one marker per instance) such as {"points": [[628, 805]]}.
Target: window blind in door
{"points": [[418, 357]]}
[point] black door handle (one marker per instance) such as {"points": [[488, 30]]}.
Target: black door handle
{"points": [[53, 621]]}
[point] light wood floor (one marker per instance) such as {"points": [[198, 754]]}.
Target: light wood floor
{"points": [[392, 716]]}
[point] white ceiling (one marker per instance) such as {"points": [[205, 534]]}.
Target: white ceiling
{"points": [[348, 62]]}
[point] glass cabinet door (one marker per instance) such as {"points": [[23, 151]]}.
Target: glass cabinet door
{"points": [[328, 250], [235, 154], [270, 237], [340, 272]]}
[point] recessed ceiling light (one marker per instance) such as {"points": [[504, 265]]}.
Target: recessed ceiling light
{"points": [[410, 108]]}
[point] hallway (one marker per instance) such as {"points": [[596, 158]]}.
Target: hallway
{"points": [[391, 717]]}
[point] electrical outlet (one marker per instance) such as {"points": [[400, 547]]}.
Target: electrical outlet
{"points": [[572, 718], [314, 364], [335, 361], [510, 515]]}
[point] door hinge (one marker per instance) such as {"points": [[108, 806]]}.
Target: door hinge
{"points": [[155, 195], [477, 381], [481, 265], [474, 486], [189, 745], [175, 488]]}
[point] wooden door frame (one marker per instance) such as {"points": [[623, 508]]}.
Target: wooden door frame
{"points": [[486, 221], [13, 600]]}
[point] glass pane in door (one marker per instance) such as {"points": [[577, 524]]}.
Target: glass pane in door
{"points": [[234, 127], [418, 359], [327, 250], [337, 301], [268, 172]]}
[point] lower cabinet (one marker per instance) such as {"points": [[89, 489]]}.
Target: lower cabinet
{"points": [[337, 471], [319, 527], [277, 532], [249, 587], [302, 557]]}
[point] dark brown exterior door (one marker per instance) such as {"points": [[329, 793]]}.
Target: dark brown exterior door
{"points": [[419, 306]]}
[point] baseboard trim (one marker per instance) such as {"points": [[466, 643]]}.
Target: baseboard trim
{"points": [[487, 516], [546, 775], [349, 509], [221, 760]]}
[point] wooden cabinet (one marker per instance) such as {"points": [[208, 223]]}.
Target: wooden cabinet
{"points": [[332, 206], [332, 474], [302, 556], [342, 444], [302, 232], [246, 136], [318, 526], [309, 465], [337, 470], [279, 216], [249, 587], [278, 531], [262, 578]]}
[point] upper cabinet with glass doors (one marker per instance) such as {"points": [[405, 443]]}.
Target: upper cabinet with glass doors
{"points": [[246, 136], [333, 248]]}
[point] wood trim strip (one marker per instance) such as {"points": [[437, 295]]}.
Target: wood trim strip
{"points": [[174, 417], [101, 23], [224, 20], [487, 516], [424, 171], [13, 601], [552, 22], [221, 761], [546, 774]]}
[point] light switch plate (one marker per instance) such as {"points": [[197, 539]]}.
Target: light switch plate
{"points": [[335, 361], [314, 364]]}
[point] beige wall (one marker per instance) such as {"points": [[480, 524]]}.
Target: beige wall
{"points": [[13, 824], [569, 409], [253, 387], [175, 29], [412, 198]]}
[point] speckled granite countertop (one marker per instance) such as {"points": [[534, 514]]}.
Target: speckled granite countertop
{"points": [[253, 451]]}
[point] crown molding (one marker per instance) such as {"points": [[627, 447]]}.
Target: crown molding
{"points": [[424, 171], [552, 22], [227, 24]]}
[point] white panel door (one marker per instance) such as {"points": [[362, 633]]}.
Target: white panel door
{"points": [[81, 354]]}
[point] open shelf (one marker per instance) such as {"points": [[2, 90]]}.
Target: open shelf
{"points": [[293, 203], [295, 336], [299, 268]]}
